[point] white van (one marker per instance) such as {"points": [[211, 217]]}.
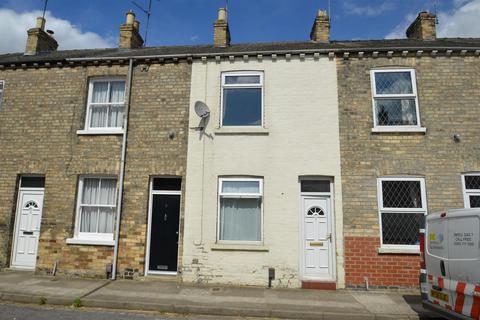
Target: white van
{"points": [[452, 262]]}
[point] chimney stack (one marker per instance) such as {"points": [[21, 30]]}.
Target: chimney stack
{"points": [[221, 31], [321, 27], [129, 33], [38, 40], [423, 28]]}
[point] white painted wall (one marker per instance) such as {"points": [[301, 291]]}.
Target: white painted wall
{"points": [[301, 118]]}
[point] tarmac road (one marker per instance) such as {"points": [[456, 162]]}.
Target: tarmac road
{"points": [[34, 312]]}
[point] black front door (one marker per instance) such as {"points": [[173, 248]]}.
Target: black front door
{"points": [[164, 232]]}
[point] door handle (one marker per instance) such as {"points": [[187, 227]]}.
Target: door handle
{"points": [[27, 233], [442, 268]]}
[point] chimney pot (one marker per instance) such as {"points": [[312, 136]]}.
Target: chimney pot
{"points": [[130, 38], [130, 17], [423, 28], [321, 27], [221, 30], [322, 13], [222, 14], [40, 23]]}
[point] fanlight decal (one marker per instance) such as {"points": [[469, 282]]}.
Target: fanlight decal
{"points": [[30, 204], [315, 211]]}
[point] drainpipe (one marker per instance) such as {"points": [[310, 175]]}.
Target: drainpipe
{"points": [[122, 169]]}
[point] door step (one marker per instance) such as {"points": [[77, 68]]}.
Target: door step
{"points": [[162, 278], [319, 285]]}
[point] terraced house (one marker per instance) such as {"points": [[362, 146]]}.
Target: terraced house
{"points": [[264, 200], [409, 114], [63, 169], [291, 164]]}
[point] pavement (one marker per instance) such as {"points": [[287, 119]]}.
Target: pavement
{"points": [[179, 298]]}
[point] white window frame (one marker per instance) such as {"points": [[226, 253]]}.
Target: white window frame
{"points": [[469, 192], [238, 196], [2, 90], [376, 96], [242, 86], [382, 210], [102, 130], [91, 238]]}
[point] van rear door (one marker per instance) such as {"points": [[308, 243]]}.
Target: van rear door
{"points": [[464, 261], [436, 259]]}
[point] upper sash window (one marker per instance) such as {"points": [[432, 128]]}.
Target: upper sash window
{"points": [[395, 101], [242, 99]]}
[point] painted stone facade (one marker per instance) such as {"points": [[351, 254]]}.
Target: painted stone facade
{"points": [[448, 96], [42, 110], [298, 138]]}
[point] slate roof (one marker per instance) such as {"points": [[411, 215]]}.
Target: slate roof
{"points": [[248, 48]]}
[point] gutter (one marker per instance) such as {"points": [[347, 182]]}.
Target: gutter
{"points": [[122, 169], [269, 52]]}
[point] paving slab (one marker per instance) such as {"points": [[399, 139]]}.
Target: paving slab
{"points": [[246, 301], [26, 287], [175, 297]]}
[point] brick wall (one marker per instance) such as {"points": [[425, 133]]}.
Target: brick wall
{"points": [[382, 271], [43, 108], [448, 89], [42, 111], [160, 101]]}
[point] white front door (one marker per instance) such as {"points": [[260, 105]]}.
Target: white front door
{"points": [[27, 228], [317, 238]]}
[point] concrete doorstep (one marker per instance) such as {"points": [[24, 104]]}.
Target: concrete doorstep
{"points": [[210, 300]]}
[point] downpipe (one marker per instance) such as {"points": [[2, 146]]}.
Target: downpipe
{"points": [[122, 170]]}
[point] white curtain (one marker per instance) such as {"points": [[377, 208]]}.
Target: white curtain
{"points": [[107, 191], [117, 92], [408, 112], [105, 221], [100, 92], [99, 115], [96, 218], [115, 116], [89, 219], [107, 115], [90, 191], [240, 219], [117, 95]]}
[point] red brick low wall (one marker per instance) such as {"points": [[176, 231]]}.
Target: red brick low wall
{"points": [[383, 270]]}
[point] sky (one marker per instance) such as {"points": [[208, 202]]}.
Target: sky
{"points": [[95, 23]]}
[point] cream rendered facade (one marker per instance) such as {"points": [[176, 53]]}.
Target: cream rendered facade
{"points": [[299, 138]]}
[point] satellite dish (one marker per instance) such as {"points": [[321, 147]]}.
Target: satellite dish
{"points": [[201, 109]]}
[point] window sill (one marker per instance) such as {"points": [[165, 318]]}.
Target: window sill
{"points": [[386, 250], [394, 129], [241, 131], [238, 247], [91, 242], [100, 132]]}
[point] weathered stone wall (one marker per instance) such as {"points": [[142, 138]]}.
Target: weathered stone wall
{"points": [[42, 111], [448, 93], [300, 137], [160, 101]]}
